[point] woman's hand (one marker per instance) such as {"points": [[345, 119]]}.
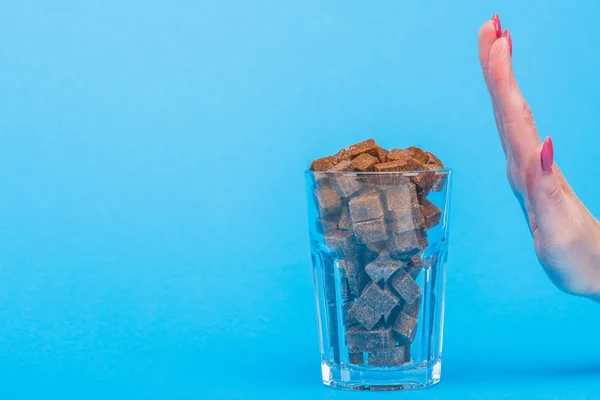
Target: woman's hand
{"points": [[566, 235]]}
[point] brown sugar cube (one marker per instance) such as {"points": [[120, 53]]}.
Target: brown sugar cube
{"points": [[382, 154], [391, 179], [357, 282], [339, 241], [416, 261], [364, 162], [345, 222], [431, 212], [370, 231], [342, 166], [397, 155], [401, 197], [415, 165], [390, 166], [382, 267], [405, 327], [372, 304], [325, 225], [367, 164], [415, 266], [340, 156], [354, 251], [356, 358], [368, 146], [349, 267], [432, 182], [405, 245], [406, 220], [418, 154], [440, 178], [439, 183], [407, 164], [426, 180], [403, 163], [349, 321], [366, 206], [380, 301], [360, 340], [432, 159], [434, 164], [405, 286], [328, 200], [345, 185], [423, 180], [390, 358], [322, 164], [412, 309], [367, 254], [355, 275]]}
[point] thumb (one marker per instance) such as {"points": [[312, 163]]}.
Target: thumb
{"points": [[544, 190]]}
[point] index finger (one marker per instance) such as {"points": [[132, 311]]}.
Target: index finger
{"points": [[519, 127], [488, 34]]}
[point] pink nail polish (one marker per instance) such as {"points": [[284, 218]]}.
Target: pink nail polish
{"points": [[497, 25], [506, 34], [547, 154]]}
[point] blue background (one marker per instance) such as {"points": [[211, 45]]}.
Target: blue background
{"points": [[153, 234]]}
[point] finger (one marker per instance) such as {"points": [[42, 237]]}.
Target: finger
{"points": [[488, 33], [545, 191], [519, 127]]}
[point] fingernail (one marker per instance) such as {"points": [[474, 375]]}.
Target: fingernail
{"points": [[497, 26], [507, 36], [547, 154]]}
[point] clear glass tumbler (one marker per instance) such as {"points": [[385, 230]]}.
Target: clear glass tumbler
{"points": [[379, 244]]}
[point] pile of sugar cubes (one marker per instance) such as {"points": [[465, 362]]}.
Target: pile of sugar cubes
{"points": [[374, 227]]}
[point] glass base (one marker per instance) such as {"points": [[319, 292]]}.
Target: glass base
{"points": [[381, 379]]}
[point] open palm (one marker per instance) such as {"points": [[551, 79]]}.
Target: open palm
{"points": [[566, 235]]}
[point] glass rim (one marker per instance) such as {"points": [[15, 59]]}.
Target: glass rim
{"points": [[445, 171]]}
